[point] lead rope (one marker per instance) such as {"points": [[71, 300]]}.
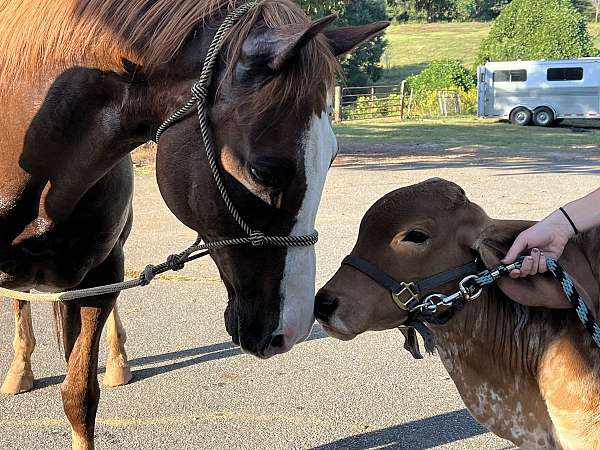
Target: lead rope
{"points": [[568, 287], [199, 249]]}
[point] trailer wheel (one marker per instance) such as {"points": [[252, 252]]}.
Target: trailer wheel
{"points": [[543, 117], [521, 116]]}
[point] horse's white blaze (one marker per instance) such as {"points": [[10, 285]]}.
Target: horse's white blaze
{"points": [[298, 284]]}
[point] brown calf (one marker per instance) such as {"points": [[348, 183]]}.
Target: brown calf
{"points": [[522, 362]]}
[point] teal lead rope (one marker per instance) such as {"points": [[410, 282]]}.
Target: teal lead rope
{"points": [[575, 298], [490, 276]]}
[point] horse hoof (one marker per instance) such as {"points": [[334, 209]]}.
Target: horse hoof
{"points": [[17, 383], [117, 376]]}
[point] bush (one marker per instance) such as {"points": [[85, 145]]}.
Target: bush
{"points": [[537, 29], [443, 74], [427, 104]]}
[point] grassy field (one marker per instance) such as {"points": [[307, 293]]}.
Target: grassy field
{"points": [[470, 132], [412, 46]]}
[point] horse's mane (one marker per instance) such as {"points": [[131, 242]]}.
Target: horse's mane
{"points": [[57, 34], [41, 36]]}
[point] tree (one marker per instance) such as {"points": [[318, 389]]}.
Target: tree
{"points": [[363, 67], [537, 29], [478, 9], [436, 10], [317, 8], [596, 6]]}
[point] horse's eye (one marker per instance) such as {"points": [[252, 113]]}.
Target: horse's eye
{"points": [[264, 176], [416, 236]]}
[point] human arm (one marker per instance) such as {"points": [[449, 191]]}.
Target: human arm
{"points": [[549, 237]]}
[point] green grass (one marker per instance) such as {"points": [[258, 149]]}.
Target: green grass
{"points": [[468, 131], [413, 46]]}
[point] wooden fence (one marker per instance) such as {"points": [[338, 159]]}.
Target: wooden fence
{"points": [[373, 102]]}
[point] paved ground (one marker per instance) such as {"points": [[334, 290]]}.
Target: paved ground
{"points": [[193, 389]]}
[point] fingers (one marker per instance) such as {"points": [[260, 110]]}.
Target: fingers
{"points": [[526, 269], [543, 265], [519, 245], [532, 265]]}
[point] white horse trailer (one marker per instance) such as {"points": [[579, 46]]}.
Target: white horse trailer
{"points": [[542, 92]]}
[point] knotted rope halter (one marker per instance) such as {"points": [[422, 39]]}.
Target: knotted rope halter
{"points": [[256, 238], [200, 93]]}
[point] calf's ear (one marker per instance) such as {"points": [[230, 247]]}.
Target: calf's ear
{"points": [[542, 290]]}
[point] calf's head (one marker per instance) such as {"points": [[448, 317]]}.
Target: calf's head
{"points": [[421, 230]]}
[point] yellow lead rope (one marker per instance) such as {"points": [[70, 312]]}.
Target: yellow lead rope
{"points": [[31, 297]]}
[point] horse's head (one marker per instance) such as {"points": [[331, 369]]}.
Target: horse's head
{"points": [[270, 107]]}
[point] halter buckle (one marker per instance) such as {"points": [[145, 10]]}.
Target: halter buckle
{"points": [[413, 300]]}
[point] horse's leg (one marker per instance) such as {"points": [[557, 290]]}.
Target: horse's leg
{"points": [[118, 371], [19, 378], [83, 321]]}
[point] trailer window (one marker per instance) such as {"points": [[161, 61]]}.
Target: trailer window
{"points": [[565, 74], [510, 76]]}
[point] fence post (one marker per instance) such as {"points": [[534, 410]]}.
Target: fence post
{"points": [[442, 103], [337, 104], [402, 90]]}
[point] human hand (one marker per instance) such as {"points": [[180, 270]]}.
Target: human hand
{"points": [[547, 238]]}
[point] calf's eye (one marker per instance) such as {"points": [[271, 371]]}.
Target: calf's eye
{"points": [[416, 236]]}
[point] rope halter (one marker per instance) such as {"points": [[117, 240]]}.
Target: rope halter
{"points": [[255, 238], [199, 100]]}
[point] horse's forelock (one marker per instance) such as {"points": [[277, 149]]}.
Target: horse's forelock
{"points": [[307, 80]]}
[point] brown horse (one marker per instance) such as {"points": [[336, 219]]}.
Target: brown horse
{"points": [[84, 82]]}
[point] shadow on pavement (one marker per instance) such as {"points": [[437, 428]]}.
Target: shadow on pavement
{"points": [[197, 355], [416, 435], [204, 354], [389, 156]]}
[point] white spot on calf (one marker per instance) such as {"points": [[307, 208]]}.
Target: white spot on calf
{"points": [[298, 284]]}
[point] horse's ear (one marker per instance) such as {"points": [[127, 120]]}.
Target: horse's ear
{"points": [[276, 46], [493, 243], [344, 40]]}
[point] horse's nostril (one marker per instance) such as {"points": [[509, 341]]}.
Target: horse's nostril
{"points": [[278, 341], [325, 305]]}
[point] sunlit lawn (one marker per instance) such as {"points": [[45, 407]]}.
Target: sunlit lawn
{"points": [[470, 131], [412, 46]]}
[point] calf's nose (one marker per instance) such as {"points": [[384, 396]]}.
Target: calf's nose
{"points": [[325, 305]]}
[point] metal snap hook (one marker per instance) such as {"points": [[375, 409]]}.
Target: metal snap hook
{"points": [[469, 288]]}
